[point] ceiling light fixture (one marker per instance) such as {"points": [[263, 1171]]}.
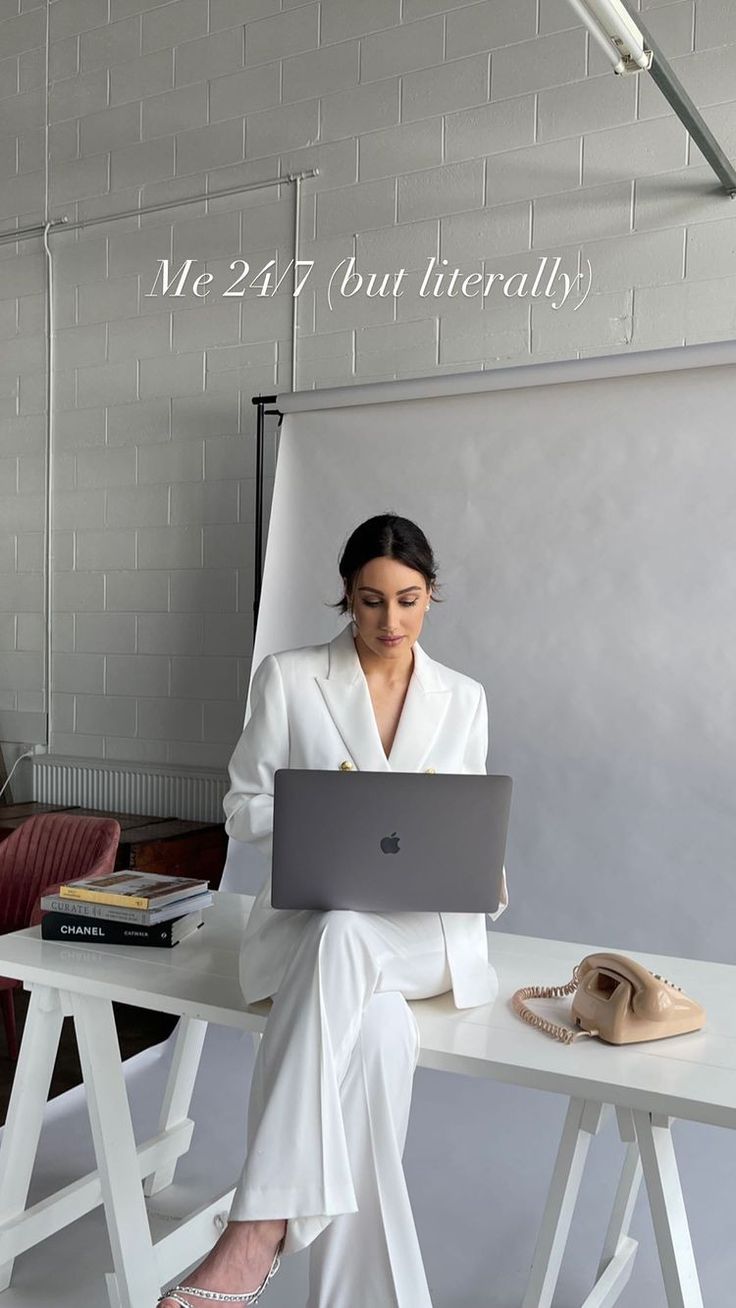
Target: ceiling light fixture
{"points": [[629, 46], [612, 26]]}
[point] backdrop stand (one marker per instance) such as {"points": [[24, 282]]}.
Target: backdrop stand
{"points": [[262, 412]]}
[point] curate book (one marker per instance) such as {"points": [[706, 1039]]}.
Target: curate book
{"points": [[129, 889], [101, 931], [85, 908]]}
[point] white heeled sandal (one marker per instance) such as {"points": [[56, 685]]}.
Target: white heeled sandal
{"points": [[210, 1295]]}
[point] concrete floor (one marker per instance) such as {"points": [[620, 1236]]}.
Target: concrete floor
{"points": [[477, 1203]]}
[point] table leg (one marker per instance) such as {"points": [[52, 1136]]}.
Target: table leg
{"points": [[667, 1207], [178, 1094], [135, 1283], [584, 1119], [619, 1249], [25, 1113], [623, 1206]]}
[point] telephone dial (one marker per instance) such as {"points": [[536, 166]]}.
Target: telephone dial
{"points": [[617, 999]]}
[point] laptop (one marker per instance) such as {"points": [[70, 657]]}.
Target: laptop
{"points": [[388, 841]]}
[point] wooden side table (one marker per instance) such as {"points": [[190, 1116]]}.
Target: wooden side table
{"points": [[170, 846]]}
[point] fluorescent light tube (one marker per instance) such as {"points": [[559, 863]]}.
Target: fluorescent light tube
{"points": [[616, 33]]}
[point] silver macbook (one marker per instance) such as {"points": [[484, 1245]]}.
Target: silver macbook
{"points": [[388, 841]]}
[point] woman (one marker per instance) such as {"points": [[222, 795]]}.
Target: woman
{"points": [[332, 1081]]}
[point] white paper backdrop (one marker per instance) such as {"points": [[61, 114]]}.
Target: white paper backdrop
{"points": [[586, 536]]}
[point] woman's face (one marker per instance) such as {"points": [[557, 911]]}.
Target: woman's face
{"points": [[389, 599]]}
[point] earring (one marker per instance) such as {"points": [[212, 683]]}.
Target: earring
{"points": [[427, 609]]}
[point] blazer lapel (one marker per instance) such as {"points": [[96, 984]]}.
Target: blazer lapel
{"points": [[346, 694]]}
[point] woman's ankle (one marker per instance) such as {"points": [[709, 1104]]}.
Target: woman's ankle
{"points": [[265, 1226], [255, 1234]]}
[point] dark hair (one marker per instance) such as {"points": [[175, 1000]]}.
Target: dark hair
{"points": [[386, 536]]}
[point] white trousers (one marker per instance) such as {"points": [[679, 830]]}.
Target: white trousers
{"points": [[329, 1104]]}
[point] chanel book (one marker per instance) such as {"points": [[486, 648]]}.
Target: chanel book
{"points": [[100, 931]]}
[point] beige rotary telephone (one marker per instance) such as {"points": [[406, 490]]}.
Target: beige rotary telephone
{"points": [[617, 999]]}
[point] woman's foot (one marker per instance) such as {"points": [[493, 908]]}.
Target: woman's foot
{"points": [[237, 1263]]}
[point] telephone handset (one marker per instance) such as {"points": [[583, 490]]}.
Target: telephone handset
{"points": [[617, 999]]}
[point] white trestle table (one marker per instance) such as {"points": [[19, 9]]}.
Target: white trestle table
{"points": [[646, 1086]]}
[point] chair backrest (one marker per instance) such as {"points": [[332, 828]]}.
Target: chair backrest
{"points": [[46, 850]]}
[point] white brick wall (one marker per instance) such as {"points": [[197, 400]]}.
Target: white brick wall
{"points": [[486, 134]]}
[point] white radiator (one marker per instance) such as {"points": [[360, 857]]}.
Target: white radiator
{"points": [[159, 790]]}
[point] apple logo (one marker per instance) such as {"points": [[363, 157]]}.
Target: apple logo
{"points": [[390, 844]]}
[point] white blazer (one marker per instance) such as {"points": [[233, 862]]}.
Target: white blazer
{"points": [[311, 708]]}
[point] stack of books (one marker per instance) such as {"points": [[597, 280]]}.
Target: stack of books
{"points": [[126, 908]]}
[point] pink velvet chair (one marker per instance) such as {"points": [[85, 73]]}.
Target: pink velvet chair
{"points": [[36, 859]]}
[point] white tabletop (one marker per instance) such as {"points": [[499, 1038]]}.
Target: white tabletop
{"points": [[689, 1076]]}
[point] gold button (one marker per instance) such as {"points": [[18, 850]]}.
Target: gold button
{"points": [[430, 770], [346, 766]]}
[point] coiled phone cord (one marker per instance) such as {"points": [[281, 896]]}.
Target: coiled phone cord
{"points": [[562, 1033]]}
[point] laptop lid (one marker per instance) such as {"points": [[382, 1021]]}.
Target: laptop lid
{"points": [[388, 841]]}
